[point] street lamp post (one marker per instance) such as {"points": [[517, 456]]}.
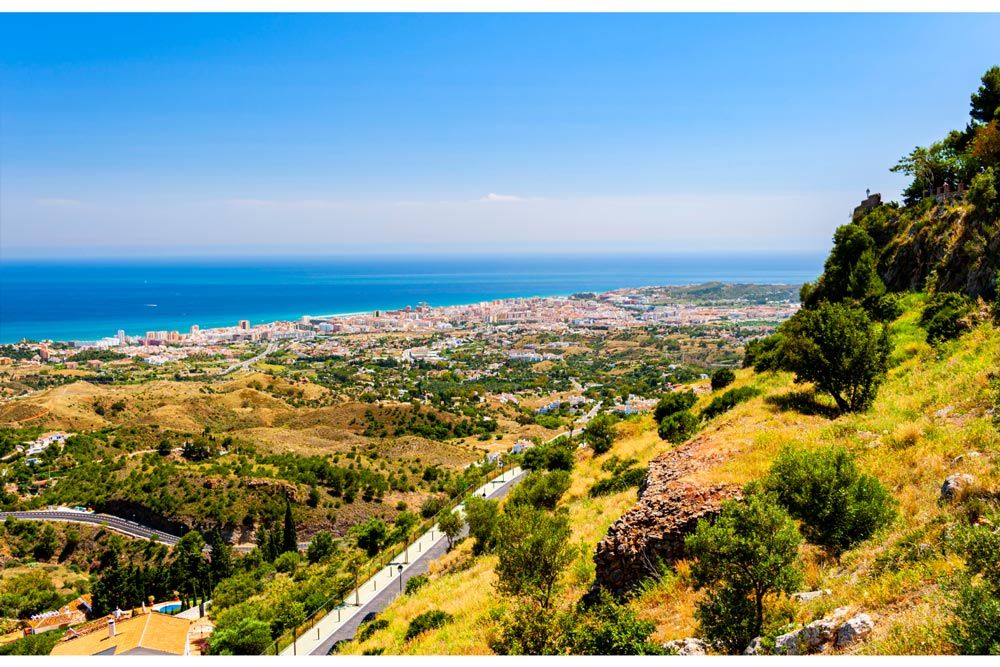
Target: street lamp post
{"points": [[400, 570]]}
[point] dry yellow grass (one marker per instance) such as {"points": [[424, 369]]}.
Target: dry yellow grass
{"points": [[932, 409]]}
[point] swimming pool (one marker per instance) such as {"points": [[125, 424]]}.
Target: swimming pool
{"points": [[167, 607]]}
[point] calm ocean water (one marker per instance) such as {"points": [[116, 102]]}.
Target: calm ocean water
{"points": [[86, 300]]}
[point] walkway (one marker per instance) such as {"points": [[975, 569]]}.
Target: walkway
{"points": [[378, 592]]}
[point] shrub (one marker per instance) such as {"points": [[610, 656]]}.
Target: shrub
{"points": [[541, 489], [943, 316], [728, 401], [838, 506], [840, 349], [248, 636], [618, 482], [975, 629], [32, 644], [678, 427], [611, 628], [672, 403], [371, 536], [287, 562], [722, 378], [533, 554], [600, 433], [371, 627], [415, 583], [747, 555], [427, 621]]}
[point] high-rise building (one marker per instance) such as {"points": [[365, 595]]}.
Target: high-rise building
{"points": [[195, 329], [244, 324], [122, 339]]}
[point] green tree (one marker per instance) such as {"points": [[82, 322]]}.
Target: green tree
{"points": [[289, 541], [841, 350], [672, 403], [248, 636], [985, 102], [600, 433], [321, 547], [48, 542], [482, 515], [541, 489], [837, 504], [679, 426], [749, 553], [451, 525], [371, 536], [221, 564], [532, 554], [722, 378], [190, 569]]}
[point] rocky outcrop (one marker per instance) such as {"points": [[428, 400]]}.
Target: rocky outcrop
{"points": [[955, 485], [820, 636], [688, 646], [856, 629], [654, 530]]}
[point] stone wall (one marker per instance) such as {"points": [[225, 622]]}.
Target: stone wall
{"points": [[668, 509]]}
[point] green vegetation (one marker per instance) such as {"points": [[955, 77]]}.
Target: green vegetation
{"points": [[943, 316], [427, 621], [722, 378], [837, 504], [728, 400], [600, 433], [975, 629], [749, 553]]}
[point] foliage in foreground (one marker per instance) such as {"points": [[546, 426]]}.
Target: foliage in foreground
{"points": [[748, 554], [837, 504]]}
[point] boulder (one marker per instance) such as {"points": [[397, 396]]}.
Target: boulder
{"points": [[813, 638], [688, 646], [806, 596], [954, 484], [755, 647], [854, 630]]}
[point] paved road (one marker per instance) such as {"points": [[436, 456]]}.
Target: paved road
{"points": [[379, 591], [123, 526], [271, 347]]}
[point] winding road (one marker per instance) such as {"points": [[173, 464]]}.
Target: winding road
{"points": [[117, 524]]}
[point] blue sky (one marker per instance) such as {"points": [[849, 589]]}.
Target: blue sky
{"points": [[268, 133]]}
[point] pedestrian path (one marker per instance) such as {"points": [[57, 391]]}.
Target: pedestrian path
{"points": [[389, 583]]}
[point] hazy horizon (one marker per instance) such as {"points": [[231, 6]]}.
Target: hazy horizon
{"points": [[125, 134]]}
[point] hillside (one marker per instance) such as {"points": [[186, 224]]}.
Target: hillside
{"points": [[932, 414]]}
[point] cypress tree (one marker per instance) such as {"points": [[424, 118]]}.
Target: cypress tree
{"points": [[288, 539]]}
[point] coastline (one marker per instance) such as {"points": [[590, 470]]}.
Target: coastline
{"points": [[86, 302]]}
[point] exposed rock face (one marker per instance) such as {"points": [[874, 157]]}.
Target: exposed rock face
{"points": [[955, 484], [654, 530], [854, 630], [689, 646]]}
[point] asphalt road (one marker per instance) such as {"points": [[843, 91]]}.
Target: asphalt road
{"points": [[418, 566], [123, 526]]}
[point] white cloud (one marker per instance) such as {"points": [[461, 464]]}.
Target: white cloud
{"points": [[495, 197]]}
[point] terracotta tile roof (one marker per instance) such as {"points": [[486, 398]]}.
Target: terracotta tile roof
{"points": [[143, 634]]}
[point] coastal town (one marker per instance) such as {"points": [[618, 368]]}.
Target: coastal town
{"points": [[332, 335]]}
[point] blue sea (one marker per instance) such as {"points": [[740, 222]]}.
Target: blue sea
{"points": [[87, 300]]}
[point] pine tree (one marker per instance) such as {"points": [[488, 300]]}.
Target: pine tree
{"points": [[222, 557]]}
